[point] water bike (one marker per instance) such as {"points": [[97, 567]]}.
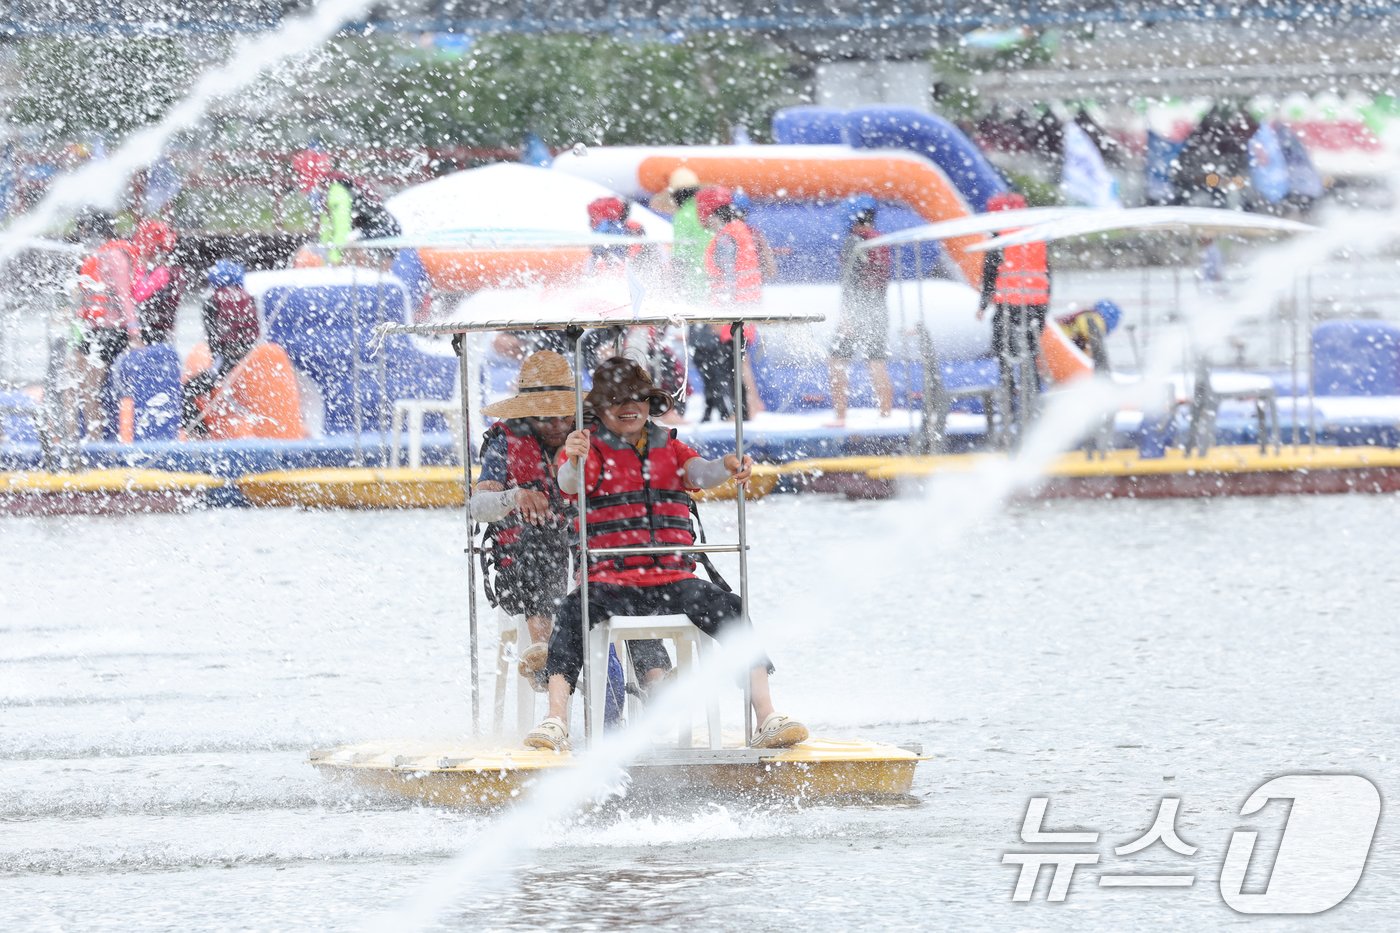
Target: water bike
{"points": [[490, 769]]}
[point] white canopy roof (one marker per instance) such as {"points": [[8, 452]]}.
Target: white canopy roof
{"points": [[975, 223], [605, 303], [487, 238], [500, 196], [1200, 220]]}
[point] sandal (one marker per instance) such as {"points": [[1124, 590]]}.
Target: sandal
{"points": [[551, 735], [532, 663], [779, 731]]}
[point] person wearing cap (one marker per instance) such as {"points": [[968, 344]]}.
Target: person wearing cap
{"points": [[637, 475], [1088, 329], [158, 284], [689, 238], [735, 269], [231, 329], [865, 319]]}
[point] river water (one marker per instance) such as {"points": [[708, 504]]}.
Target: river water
{"points": [[162, 678]]}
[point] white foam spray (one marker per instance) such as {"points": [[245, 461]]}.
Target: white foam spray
{"points": [[100, 182], [561, 792]]}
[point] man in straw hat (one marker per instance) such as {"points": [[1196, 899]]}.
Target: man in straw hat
{"points": [[527, 520], [636, 475]]}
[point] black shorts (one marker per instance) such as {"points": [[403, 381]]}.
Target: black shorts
{"points": [[532, 580], [105, 343]]}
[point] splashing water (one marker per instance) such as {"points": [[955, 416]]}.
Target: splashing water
{"points": [[101, 182], [597, 774]]}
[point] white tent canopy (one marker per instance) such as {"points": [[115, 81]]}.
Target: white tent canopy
{"points": [[975, 223], [1206, 221], [605, 303], [502, 197]]}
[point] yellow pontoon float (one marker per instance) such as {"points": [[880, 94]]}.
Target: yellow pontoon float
{"points": [[492, 769]]}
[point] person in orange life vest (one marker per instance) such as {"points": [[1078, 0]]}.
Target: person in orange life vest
{"points": [[231, 329], [735, 271], [865, 319], [516, 497], [1017, 281], [158, 284], [107, 321], [636, 475]]}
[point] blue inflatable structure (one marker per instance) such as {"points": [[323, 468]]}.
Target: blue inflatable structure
{"points": [[325, 320], [150, 377], [1356, 358]]}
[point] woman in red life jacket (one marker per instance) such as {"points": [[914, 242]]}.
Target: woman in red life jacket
{"points": [[231, 329], [636, 475], [735, 270], [1017, 281], [865, 318], [107, 322]]}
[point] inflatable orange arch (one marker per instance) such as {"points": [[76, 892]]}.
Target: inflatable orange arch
{"points": [[920, 185]]}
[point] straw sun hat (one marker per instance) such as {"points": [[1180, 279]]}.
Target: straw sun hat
{"points": [[545, 389]]}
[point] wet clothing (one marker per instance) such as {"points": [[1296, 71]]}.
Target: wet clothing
{"points": [[158, 293], [863, 331], [1017, 281], [1088, 332], [527, 566], [689, 240], [1020, 275], [104, 287], [637, 497], [231, 330], [1016, 329], [733, 266]]}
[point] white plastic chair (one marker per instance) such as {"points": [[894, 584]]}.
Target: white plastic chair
{"points": [[617, 632], [408, 419]]}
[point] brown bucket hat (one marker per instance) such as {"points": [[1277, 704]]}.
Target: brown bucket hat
{"points": [[544, 389], [619, 379]]}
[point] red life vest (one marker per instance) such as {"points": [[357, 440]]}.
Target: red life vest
{"points": [[636, 503], [748, 273], [527, 467], [104, 285], [1023, 277]]}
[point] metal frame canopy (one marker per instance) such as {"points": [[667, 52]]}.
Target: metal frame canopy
{"points": [[565, 318], [487, 238], [574, 311], [1207, 220], [974, 223]]}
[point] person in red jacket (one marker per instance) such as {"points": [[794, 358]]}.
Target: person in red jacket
{"points": [[636, 475], [735, 268], [107, 320], [158, 284], [1017, 281]]}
